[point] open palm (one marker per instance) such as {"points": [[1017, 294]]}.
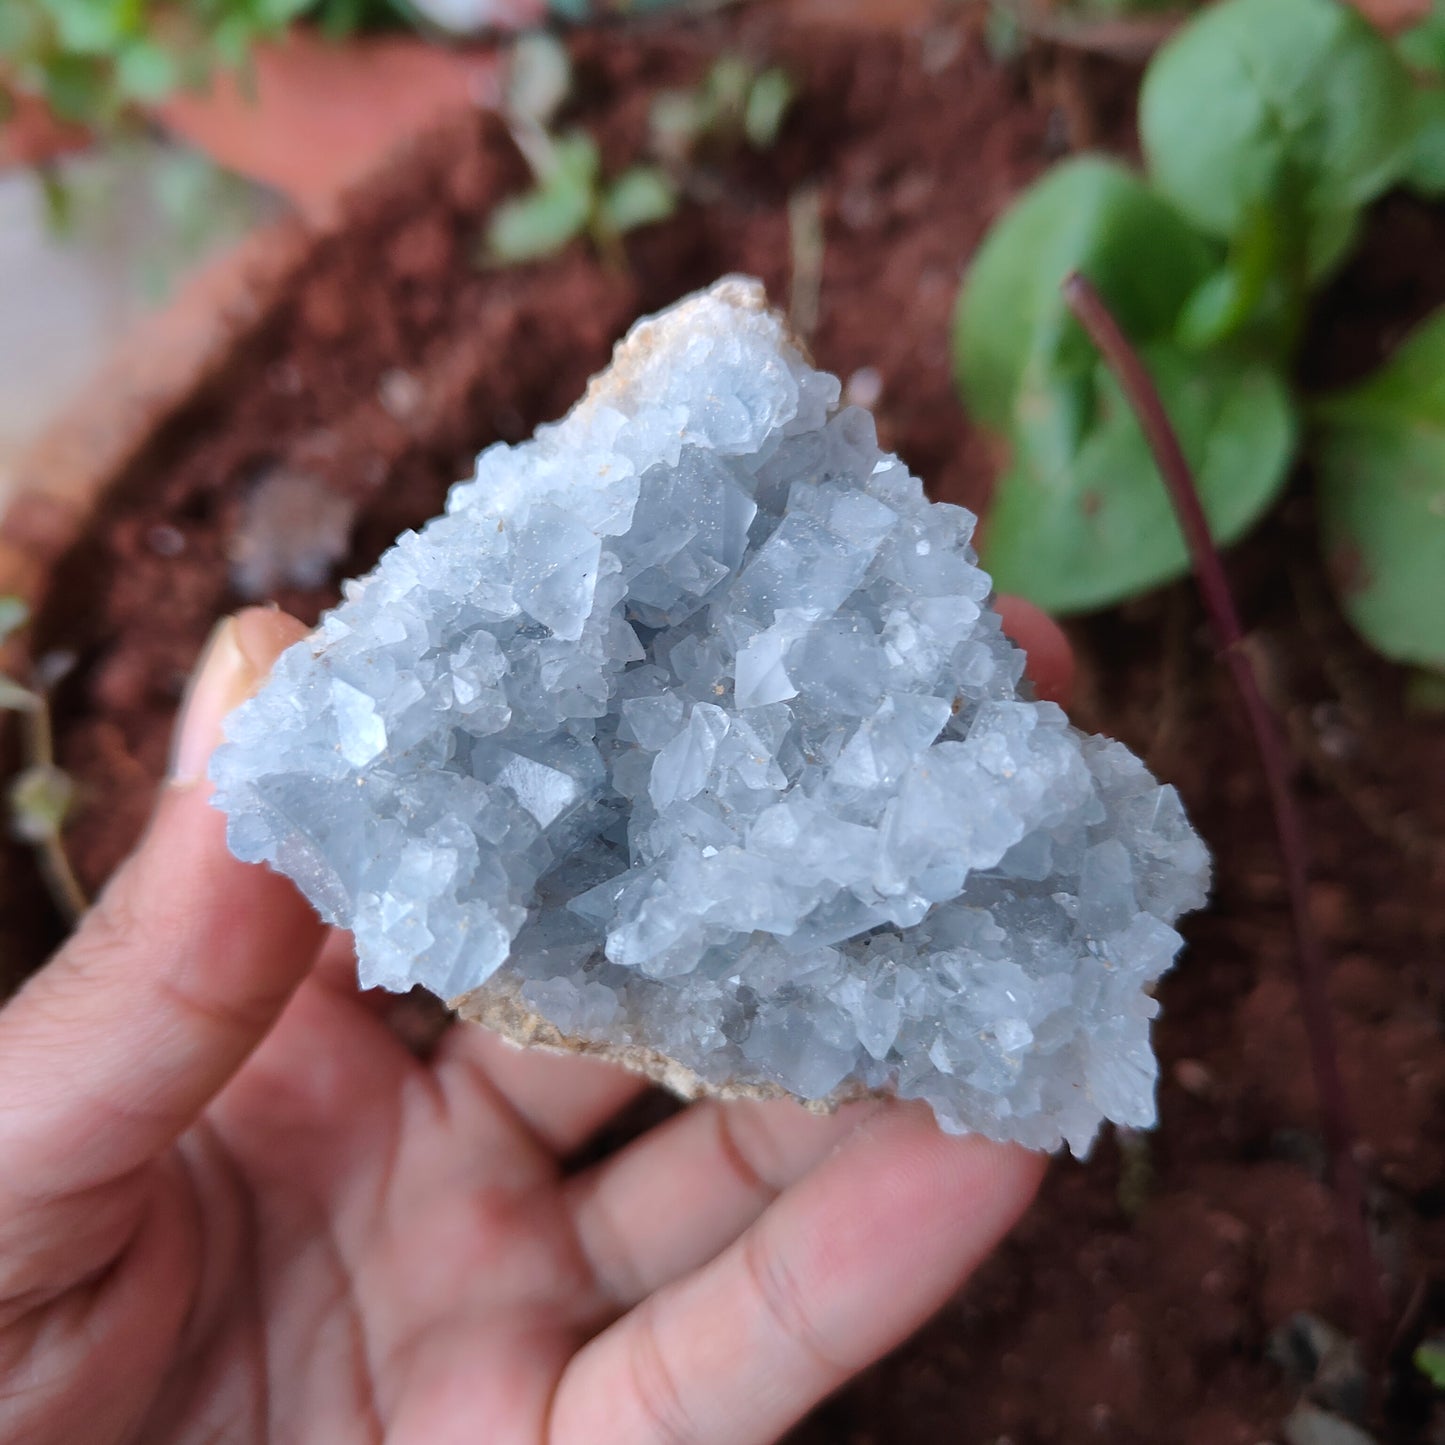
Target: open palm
{"points": [[235, 1207]]}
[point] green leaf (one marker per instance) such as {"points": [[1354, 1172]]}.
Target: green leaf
{"points": [[539, 77], [1380, 465], [278, 14], [641, 196], [1296, 104], [86, 27], [145, 71], [77, 89], [22, 30], [576, 157], [14, 698], [14, 614], [1425, 172], [677, 119], [40, 797], [340, 19], [539, 223], [727, 85], [1082, 519], [1422, 46], [1261, 293], [1429, 1359], [1239, 294], [768, 101], [231, 42], [1003, 33], [1012, 328]]}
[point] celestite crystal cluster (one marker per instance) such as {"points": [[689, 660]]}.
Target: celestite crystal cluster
{"points": [[687, 735]]}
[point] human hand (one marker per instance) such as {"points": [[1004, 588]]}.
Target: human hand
{"points": [[234, 1206]]}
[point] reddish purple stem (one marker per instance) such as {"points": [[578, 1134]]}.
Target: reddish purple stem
{"points": [[1311, 973]]}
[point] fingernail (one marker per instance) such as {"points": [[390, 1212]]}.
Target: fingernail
{"points": [[235, 661], [224, 678]]}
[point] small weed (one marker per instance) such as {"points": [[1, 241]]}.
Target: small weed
{"points": [[570, 196], [41, 794], [1429, 1360], [736, 105], [94, 61]]}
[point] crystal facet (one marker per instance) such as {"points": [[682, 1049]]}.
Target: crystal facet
{"points": [[688, 735]]}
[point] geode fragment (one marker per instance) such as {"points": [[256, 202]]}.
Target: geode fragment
{"points": [[688, 736]]}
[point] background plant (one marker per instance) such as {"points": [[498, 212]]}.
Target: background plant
{"points": [[1268, 127], [736, 104], [93, 60], [41, 794], [570, 195]]}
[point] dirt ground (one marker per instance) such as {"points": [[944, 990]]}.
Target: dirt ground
{"points": [[1139, 1300]]}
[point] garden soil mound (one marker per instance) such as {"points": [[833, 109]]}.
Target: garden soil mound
{"points": [[1137, 1302]]}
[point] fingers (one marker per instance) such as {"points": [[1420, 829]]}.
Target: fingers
{"points": [[1049, 663], [172, 979], [668, 1203], [840, 1269], [562, 1099]]}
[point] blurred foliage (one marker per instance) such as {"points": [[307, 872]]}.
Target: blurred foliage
{"points": [[1270, 125], [570, 195], [40, 795], [572, 198], [161, 208], [1267, 126], [40, 800], [13, 697], [1380, 462], [1010, 24], [1429, 1360], [736, 104], [93, 60]]}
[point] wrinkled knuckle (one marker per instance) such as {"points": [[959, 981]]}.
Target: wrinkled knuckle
{"points": [[106, 934], [617, 1278], [664, 1416], [785, 1306], [745, 1147], [240, 1018]]}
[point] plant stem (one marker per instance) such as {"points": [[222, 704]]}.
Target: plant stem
{"points": [[1310, 969], [59, 876]]}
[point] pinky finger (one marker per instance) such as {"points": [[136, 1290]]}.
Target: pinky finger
{"points": [[845, 1265]]}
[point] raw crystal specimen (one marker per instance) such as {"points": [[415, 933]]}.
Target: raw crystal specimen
{"points": [[688, 736]]}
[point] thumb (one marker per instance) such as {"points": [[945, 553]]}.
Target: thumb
{"points": [[176, 974]]}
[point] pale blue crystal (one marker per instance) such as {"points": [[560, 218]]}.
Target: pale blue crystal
{"points": [[690, 726]]}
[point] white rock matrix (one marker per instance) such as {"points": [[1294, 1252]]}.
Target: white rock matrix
{"points": [[688, 735]]}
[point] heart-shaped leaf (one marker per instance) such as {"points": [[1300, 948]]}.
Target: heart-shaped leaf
{"points": [[1297, 104], [1381, 469], [1011, 326], [1082, 519]]}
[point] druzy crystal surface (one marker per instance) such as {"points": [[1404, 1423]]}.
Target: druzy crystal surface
{"points": [[688, 734]]}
